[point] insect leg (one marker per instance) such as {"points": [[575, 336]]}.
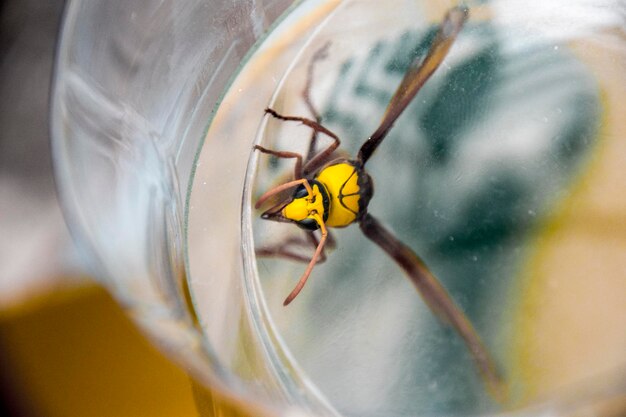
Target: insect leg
{"points": [[285, 154], [284, 249], [309, 268], [281, 188], [319, 55], [438, 299], [322, 157]]}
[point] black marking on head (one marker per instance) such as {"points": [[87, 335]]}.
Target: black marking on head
{"points": [[308, 224], [300, 192]]}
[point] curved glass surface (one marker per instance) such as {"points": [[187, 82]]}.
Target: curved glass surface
{"points": [[503, 175]]}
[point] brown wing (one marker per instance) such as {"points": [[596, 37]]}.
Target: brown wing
{"points": [[438, 299], [416, 76]]}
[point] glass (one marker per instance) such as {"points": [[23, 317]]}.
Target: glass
{"points": [[502, 172], [134, 88]]}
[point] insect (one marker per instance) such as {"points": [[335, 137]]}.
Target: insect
{"points": [[334, 192]]}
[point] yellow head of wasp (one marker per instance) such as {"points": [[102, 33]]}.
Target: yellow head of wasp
{"points": [[309, 207], [335, 192]]}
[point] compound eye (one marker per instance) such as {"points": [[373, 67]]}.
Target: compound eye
{"points": [[300, 192], [308, 224]]}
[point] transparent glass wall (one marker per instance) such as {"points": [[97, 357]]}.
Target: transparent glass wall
{"points": [[503, 175]]}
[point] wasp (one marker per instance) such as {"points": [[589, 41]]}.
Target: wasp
{"points": [[334, 192]]}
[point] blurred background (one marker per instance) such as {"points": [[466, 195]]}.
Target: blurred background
{"points": [[65, 347]]}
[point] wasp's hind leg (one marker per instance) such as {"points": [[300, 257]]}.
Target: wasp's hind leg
{"points": [[297, 172], [322, 157], [319, 55], [286, 249]]}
